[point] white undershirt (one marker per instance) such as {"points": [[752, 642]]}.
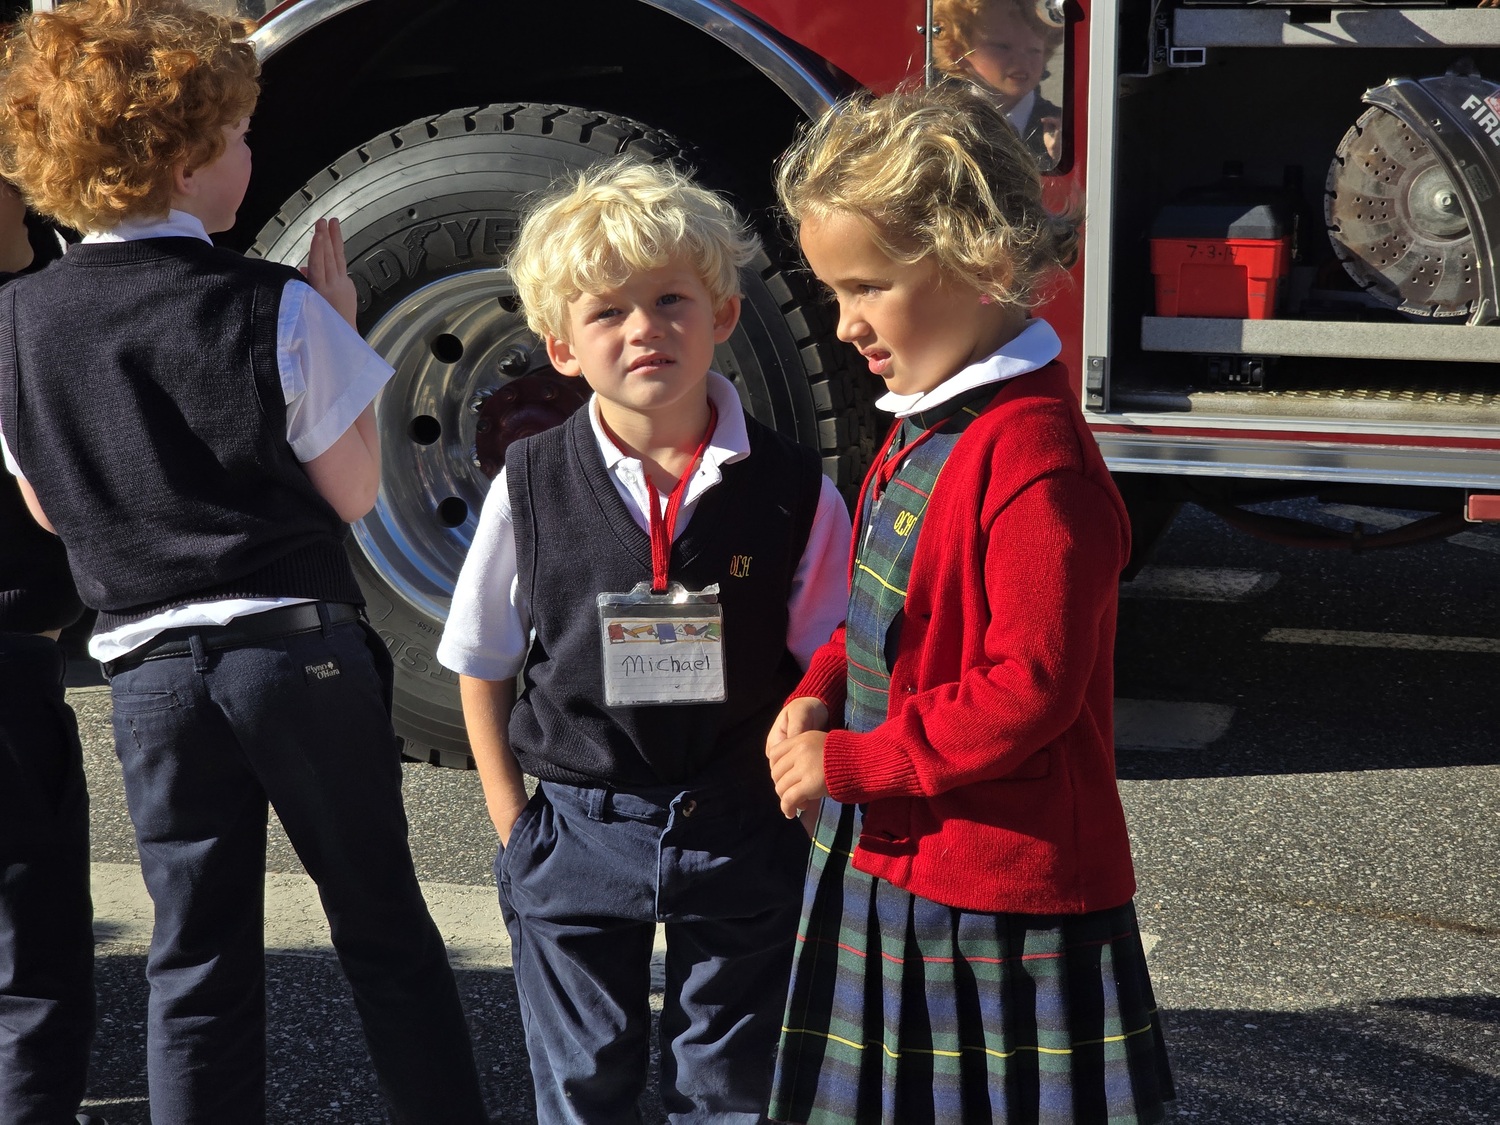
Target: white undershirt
{"points": [[1020, 113]]}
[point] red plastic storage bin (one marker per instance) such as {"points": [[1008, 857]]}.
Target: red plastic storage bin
{"points": [[1222, 277]]}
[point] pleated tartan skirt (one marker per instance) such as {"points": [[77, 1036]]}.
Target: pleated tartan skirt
{"points": [[906, 1012]]}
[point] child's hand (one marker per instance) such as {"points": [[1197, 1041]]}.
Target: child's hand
{"points": [[797, 770], [504, 814], [804, 713], [328, 272]]}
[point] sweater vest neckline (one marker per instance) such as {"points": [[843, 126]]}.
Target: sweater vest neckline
{"points": [[612, 505], [575, 538], [86, 254]]}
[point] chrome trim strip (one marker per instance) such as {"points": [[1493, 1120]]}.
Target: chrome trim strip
{"points": [[1098, 192], [1305, 461], [295, 22], [812, 92], [1396, 432]]}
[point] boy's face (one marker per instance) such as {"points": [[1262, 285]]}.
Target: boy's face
{"points": [[214, 191], [1005, 54], [645, 347]]}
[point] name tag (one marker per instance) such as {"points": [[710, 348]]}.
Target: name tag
{"points": [[662, 648]]}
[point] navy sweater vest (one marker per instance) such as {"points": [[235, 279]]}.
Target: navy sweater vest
{"points": [[575, 539], [141, 395]]}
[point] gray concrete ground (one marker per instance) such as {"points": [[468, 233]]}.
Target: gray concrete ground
{"points": [[1311, 770]]}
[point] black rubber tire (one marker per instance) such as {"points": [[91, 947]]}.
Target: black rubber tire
{"points": [[439, 199]]}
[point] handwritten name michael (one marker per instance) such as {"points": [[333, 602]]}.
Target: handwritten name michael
{"points": [[645, 666]]}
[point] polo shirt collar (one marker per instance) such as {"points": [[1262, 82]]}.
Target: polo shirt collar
{"points": [[730, 443], [175, 224], [1033, 348]]}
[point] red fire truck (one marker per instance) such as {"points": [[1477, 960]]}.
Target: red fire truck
{"points": [[1288, 284]]}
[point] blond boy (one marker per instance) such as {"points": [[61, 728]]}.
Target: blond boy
{"points": [[655, 803]]}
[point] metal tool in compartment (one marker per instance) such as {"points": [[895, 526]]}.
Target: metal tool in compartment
{"points": [[1413, 196]]}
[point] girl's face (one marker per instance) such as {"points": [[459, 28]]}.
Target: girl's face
{"points": [[914, 325]]}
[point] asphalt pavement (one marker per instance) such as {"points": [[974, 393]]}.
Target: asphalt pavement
{"points": [[1310, 766]]}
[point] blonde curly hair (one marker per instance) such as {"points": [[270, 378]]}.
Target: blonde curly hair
{"points": [[100, 100], [936, 173], [957, 19], [592, 231]]}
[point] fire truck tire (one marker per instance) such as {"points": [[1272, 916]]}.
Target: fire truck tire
{"points": [[428, 212]]}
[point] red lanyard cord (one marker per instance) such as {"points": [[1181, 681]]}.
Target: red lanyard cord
{"points": [[664, 526]]}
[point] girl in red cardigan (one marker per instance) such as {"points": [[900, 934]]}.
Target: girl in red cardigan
{"points": [[968, 948]]}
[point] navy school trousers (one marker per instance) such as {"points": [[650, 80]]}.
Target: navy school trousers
{"points": [[206, 739], [587, 875], [46, 915]]}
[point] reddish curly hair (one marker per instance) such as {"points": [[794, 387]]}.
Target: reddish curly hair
{"points": [[100, 100], [957, 19]]}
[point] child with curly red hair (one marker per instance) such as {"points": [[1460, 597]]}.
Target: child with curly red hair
{"points": [[198, 448]]}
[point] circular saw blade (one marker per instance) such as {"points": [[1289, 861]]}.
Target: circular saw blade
{"points": [[1397, 222]]}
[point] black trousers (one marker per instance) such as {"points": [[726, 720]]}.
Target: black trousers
{"points": [[46, 915], [206, 739]]}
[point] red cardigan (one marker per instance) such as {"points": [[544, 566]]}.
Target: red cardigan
{"points": [[991, 784]]}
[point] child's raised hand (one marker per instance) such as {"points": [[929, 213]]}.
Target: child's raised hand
{"points": [[327, 271], [797, 770]]}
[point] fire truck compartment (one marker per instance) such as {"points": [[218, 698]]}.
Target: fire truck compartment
{"points": [[1276, 95]]}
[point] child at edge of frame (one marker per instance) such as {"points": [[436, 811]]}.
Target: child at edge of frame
{"points": [[656, 534], [968, 948], [47, 997], [199, 447]]}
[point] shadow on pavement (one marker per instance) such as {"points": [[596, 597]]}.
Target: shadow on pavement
{"points": [[1380, 1063]]}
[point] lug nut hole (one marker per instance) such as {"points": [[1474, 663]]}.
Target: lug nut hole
{"points": [[452, 512], [447, 348], [425, 429]]}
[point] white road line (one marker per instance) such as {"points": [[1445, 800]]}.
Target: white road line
{"points": [[1353, 639], [1150, 724], [468, 918], [1198, 583], [1376, 518]]}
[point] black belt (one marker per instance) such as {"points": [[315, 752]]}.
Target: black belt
{"points": [[250, 629]]}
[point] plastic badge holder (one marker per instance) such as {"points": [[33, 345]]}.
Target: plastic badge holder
{"points": [[662, 648]]}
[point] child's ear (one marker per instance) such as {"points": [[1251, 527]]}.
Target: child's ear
{"points": [[560, 355], [725, 319], [183, 185]]}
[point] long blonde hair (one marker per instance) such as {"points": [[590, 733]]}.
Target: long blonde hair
{"points": [[935, 173]]}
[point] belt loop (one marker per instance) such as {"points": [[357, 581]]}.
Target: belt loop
{"points": [[199, 651], [325, 617], [598, 803]]}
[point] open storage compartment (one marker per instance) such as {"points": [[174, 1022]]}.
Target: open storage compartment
{"points": [[1273, 92]]}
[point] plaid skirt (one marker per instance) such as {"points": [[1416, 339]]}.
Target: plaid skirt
{"points": [[906, 1012]]}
